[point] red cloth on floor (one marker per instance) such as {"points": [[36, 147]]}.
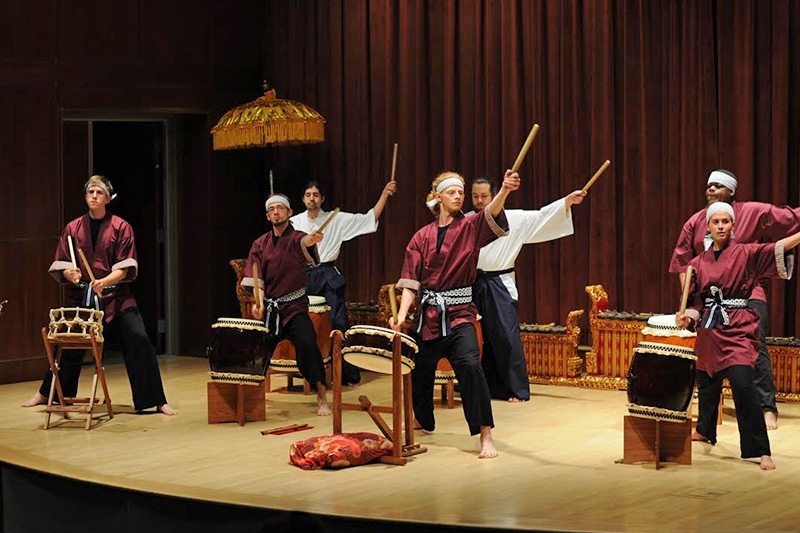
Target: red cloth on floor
{"points": [[338, 451]]}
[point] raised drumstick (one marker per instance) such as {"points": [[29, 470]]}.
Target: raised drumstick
{"points": [[596, 175], [686, 282], [394, 161], [86, 264], [330, 219], [256, 288], [528, 142], [72, 252]]}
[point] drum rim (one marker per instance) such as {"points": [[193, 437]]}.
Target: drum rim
{"points": [[236, 377], [408, 340], [240, 323], [383, 354], [657, 413], [666, 349]]}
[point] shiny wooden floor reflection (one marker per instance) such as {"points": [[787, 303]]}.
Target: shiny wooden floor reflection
{"points": [[556, 469]]}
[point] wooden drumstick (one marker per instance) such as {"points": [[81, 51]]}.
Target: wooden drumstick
{"points": [[86, 264], [393, 302], [686, 282], [596, 175], [256, 288], [528, 142], [72, 252], [394, 161], [330, 219]]}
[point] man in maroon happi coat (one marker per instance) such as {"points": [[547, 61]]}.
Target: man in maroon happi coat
{"points": [[281, 255], [440, 265], [110, 249], [755, 222]]}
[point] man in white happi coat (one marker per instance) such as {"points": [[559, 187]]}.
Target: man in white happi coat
{"points": [[325, 279], [495, 289]]}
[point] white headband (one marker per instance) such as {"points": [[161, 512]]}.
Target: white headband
{"points": [[716, 207], [449, 182], [723, 178], [277, 198], [95, 182]]}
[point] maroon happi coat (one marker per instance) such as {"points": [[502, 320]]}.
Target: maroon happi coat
{"points": [[737, 271], [754, 222], [454, 266], [281, 269], [115, 250]]}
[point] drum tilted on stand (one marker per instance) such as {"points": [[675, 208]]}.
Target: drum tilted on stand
{"points": [[370, 348], [237, 351], [662, 372]]}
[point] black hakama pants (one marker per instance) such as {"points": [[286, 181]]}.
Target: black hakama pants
{"points": [[300, 332]]}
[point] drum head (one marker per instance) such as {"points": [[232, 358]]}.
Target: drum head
{"points": [[375, 359]]}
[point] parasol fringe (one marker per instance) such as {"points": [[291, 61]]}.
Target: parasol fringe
{"points": [[261, 134]]}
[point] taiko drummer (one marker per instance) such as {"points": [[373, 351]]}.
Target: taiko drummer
{"points": [[281, 256], [727, 329], [107, 242], [440, 264]]}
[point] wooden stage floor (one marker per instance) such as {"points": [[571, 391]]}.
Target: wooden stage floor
{"points": [[556, 470]]}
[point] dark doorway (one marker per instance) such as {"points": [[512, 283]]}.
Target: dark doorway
{"points": [[131, 156]]}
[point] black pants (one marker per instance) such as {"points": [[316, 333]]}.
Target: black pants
{"points": [[137, 353], [328, 282], [300, 332], [762, 376], [461, 349], [753, 439], [503, 357]]}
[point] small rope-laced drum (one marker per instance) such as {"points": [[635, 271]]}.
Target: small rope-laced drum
{"points": [[75, 323], [285, 358], [238, 351], [370, 348], [661, 381], [662, 329]]}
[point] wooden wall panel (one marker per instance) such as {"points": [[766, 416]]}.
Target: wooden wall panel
{"points": [[27, 29]]}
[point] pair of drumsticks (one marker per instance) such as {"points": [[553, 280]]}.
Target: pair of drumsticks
{"points": [[286, 429], [527, 145], [83, 258]]}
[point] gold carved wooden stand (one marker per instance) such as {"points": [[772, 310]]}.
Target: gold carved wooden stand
{"points": [[400, 410]]}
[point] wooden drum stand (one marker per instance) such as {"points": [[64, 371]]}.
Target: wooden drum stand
{"points": [[400, 410]]}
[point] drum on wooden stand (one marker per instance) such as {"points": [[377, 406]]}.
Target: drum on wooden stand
{"points": [[370, 348], [661, 381], [73, 323], [238, 351]]}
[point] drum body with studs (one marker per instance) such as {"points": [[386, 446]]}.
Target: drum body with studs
{"points": [[370, 348]]}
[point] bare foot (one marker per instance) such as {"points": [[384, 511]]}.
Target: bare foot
{"points": [[324, 408], [352, 384], [698, 437], [167, 410], [37, 399], [516, 400], [488, 451], [771, 419], [767, 463]]}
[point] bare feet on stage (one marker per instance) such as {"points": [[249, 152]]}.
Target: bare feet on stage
{"points": [[771, 419], [516, 400], [37, 399], [488, 451], [324, 408], [167, 410], [322, 400], [698, 437], [767, 463]]}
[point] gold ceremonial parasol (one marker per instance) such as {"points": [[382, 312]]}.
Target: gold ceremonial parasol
{"points": [[268, 120]]}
